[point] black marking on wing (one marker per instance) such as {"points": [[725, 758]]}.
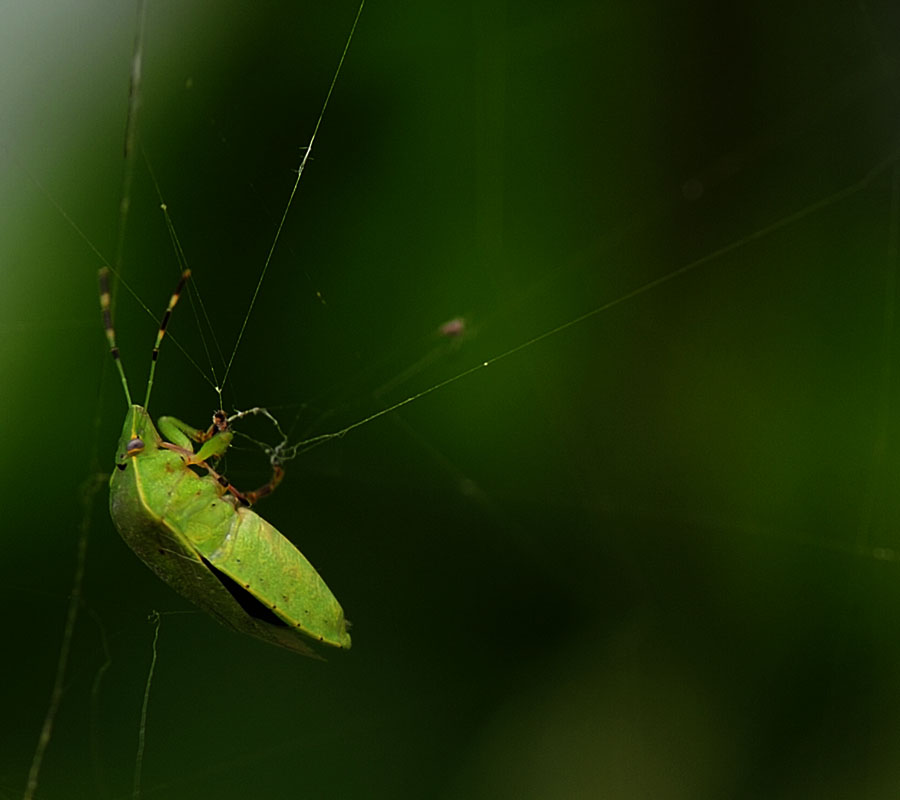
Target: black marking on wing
{"points": [[245, 600]]}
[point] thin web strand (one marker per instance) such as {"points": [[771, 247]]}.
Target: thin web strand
{"points": [[760, 233], [194, 294], [293, 193], [119, 279], [89, 491], [96, 686], [195, 297], [142, 728]]}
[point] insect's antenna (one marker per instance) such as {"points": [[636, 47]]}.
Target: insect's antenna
{"points": [[103, 278], [173, 300]]}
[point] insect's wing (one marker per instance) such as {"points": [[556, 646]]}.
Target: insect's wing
{"points": [[268, 566]]}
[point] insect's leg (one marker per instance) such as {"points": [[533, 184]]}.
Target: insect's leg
{"points": [[215, 442], [248, 498], [213, 448], [182, 434], [179, 432], [227, 485], [266, 488]]}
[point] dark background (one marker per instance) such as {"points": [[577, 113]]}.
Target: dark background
{"points": [[654, 554]]}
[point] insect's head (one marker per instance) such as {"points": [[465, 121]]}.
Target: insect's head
{"points": [[138, 435]]}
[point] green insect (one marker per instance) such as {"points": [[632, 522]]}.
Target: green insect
{"points": [[196, 531]]}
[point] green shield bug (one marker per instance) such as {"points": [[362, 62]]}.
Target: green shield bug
{"points": [[197, 532]]}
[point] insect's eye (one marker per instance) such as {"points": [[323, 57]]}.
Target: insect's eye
{"points": [[135, 446]]}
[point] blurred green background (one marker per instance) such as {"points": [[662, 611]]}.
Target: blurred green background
{"points": [[654, 555]]}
